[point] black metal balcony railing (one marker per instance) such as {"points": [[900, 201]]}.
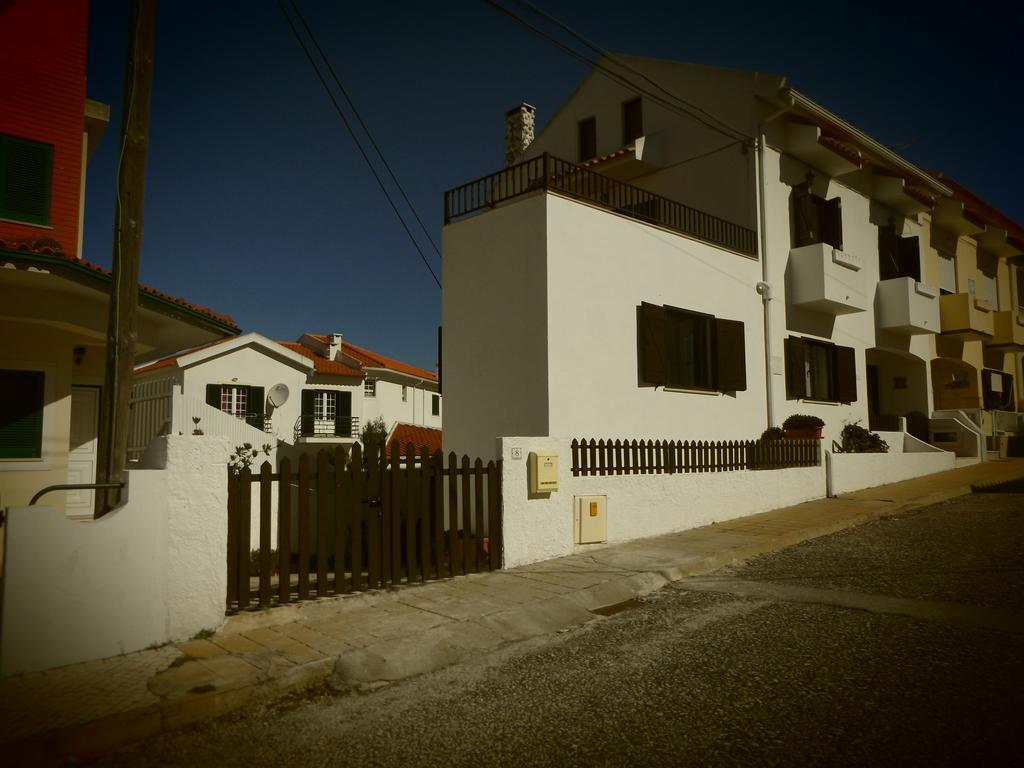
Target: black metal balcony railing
{"points": [[552, 174], [310, 426]]}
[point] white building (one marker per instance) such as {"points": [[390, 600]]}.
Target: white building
{"points": [[649, 269]]}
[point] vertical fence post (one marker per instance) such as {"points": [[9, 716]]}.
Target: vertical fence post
{"points": [[266, 489], [322, 477], [467, 514], [410, 512], [424, 514], [244, 530], [342, 500], [284, 531], [478, 509], [437, 510], [356, 516], [493, 517], [232, 596], [304, 488], [395, 500], [371, 507], [453, 512]]}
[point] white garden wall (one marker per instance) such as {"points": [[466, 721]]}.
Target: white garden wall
{"points": [[907, 458], [150, 572], [541, 527]]}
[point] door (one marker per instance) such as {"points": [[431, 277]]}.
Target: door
{"points": [[82, 448], [873, 408]]}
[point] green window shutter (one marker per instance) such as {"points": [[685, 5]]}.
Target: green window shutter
{"points": [[343, 414], [805, 217], [796, 379], [256, 407], [832, 218], [845, 374], [435, 405], [21, 414], [910, 257], [213, 395], [653, 360], [306, 416], [26, 168], [730, 356], [888, 253]]}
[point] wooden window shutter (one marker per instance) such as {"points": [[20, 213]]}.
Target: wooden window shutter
{"points": [[25, 171], [21, 414], [888, 253], [796, 379], [910, 257], [343, 414], [306, 416], [256, 407], [730, 356], [846, 374], [832, 228], [987, 395], [805, 217], [213, 395], [653, 361]]}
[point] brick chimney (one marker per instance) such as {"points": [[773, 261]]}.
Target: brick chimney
{"points": [[519, 123], [333, 348]]}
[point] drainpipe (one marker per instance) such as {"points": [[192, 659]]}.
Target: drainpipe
{"points": [[764, 288]]}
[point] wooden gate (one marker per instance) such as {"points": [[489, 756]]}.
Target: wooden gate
{"points": [[355, 522]]}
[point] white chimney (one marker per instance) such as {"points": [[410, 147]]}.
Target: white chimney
{"points": [[333, 346], [519, 123]]}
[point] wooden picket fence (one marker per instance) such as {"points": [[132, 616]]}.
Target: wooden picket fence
{"points": [[353, 523], [647, 457]]}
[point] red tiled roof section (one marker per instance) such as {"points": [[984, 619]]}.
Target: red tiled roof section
{"points": [[621, 152], [370, 359], [172, 359], [322, 364], [420, 437], [987, 212], [841, 149], [51, 248]]}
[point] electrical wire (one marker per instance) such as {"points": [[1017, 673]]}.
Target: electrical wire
{"points": [[363, 125], [616, 77], [359, 146]]}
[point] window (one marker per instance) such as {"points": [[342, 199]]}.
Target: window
{"points": [[587, 144], [370, 388], [325, 405], [25, 171], [997, 390], [987, 289], [242, 401], [898, 256], [435, 405], [405, 393], [815, 219], [820, 370], [326, 413], [632, 121], [21, 414], [690, 350]]}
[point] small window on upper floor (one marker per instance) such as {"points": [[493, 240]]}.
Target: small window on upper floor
{"points": [[587, 139], [898, 256], [25, 171], [435, 405], [370, 388], [632, 121], [405, 393], [815, 219]]}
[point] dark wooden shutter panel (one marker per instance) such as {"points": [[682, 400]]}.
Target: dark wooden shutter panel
{"points": [[653, 361], [343, 414], [832, 229], [213, 395], [730, 352], [987, 395], [25, 180], [805, 217], [306, 416], [888, 253], [796, 379], [257, 404], [910, 257], [846, 374], [21, 414]]}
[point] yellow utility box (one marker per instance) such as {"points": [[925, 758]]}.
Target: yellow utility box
{"points": [[543, 472], [591, 519]]}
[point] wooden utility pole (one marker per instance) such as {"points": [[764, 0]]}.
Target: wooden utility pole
{"points": [[122, 328]]}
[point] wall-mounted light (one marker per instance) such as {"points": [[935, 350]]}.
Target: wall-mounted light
{"points": [[79, 353]]}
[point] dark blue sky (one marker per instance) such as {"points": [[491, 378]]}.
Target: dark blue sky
{"points": [[258, 205]]}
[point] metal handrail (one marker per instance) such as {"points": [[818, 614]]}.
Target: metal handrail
{"points": [[73, 487]]}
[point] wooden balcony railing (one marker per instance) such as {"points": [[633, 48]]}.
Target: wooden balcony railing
{"points": [[555, 175]]}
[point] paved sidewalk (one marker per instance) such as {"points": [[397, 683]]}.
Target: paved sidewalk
{"points": [[368, 640]]}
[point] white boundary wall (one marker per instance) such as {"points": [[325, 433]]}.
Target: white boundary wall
{"points": [[150, 572], [849, 472], [541, 527]]}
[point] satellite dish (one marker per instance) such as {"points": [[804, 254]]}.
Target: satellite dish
{"points": [[278, 395]]}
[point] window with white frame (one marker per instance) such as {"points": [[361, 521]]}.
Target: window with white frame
{"points": [[325, 405], [405, 393], [370, 388], [234, 400]]}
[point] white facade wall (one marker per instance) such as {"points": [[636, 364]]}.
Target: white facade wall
{"points": [[853, 471], [540, 527], [415, 409], [150, 572]]}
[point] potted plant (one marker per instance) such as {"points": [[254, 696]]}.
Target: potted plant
{"points": [[803, 427], [856, 439]]}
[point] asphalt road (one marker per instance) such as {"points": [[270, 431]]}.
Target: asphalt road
{"points": [[900, 642]]}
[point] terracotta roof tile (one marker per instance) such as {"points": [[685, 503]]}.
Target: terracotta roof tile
{"points": [[52, 248], [841, 149], [988, 213], [621, 152], [164, 362], [420, 437], [369, 359], [321, 364]]}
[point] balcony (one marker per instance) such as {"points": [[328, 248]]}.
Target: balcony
{"points": [[310, 429], [907, 306], [965, 317], [553, 175], [826, 279], [1007, 331]]}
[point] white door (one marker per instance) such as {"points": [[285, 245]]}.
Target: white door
{"points": [[82, 448]]}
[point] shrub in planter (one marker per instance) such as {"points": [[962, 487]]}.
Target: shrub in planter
{"points": [[772, 433], [855, 439], [800, 426]]}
